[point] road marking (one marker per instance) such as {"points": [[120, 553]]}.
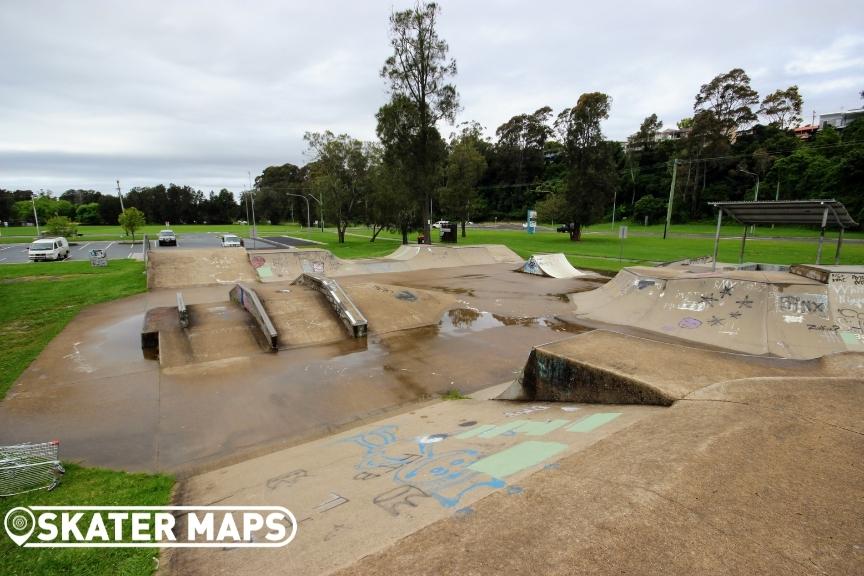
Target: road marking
{"points": [[7, 248], [84, 246], [107, 247], [2, 259]]}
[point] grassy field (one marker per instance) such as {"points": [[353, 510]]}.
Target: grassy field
{"points": [[599, 250], [94, 233], [87, 487], [38, 300]]}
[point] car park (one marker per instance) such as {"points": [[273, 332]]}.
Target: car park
{"points": [[48, 249], [167, 238]]}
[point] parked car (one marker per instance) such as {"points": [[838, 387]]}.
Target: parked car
{"points": [[167, 237], [565, 228], [231, 241], [440, 223], [49, 249]]}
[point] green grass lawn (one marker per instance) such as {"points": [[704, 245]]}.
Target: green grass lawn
{"points": [[599, 250], [37, 301], [87, 487], [115, 233]]}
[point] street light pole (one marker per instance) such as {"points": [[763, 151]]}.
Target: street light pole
{"points": [[755, 196], [308, 217], [35, 215], [122, 209]]}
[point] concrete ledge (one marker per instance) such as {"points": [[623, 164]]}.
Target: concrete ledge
{"points": [[351, 316], [612, 368], [249, 301]]}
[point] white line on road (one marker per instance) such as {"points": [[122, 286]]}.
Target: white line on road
{"points": [[84, 246], [2, 259], [107, 247]]}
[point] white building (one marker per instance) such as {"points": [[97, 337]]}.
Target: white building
{"points": [[840, 120]]}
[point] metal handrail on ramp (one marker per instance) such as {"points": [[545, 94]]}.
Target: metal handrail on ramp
{"points": [[249, 301], [342, 304]]}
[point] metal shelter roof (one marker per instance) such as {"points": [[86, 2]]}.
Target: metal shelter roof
{"points": [[788, 212]]}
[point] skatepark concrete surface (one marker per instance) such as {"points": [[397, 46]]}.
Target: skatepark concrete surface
{"points": [[613, 368], [214, 396], [357, 492], [753, 476], [755, 312], [671, 421], [180, 268]]}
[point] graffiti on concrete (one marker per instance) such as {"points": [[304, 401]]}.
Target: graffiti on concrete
{"points": [[287, 479], [709, 301], [689, 323], [444, 476], [747, 302], [803, 304], [852, 319], [401, 496]]}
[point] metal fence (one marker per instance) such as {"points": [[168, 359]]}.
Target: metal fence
{"points": [[28, 467]]}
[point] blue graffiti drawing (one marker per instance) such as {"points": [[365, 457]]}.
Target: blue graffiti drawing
{"points": [[446, 476], [375, 460]]}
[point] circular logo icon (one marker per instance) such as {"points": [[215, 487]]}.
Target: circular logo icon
{"points": [[19, 523]]}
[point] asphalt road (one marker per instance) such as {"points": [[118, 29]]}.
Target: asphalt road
{"points": [[17, 253]]}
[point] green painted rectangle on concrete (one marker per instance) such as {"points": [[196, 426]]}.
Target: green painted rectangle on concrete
{"points": [[498, 430], [517, 458], [265, 272], [850, 338], [594, 421], [475, 431], [541, 428]]}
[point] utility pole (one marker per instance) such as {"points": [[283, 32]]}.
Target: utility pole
{"points": [[122, 209], [671, 197]]}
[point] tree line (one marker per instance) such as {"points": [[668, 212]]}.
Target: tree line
{"points": [[558, 163]]}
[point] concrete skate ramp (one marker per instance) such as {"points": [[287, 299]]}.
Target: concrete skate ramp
{"points": [[611, 368], [553, 265], [218, 332], [760, 313], [756, 477], [176, 268], [288, 265]]}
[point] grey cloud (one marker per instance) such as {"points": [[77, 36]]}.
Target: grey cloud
{"points": [[198, 93]]}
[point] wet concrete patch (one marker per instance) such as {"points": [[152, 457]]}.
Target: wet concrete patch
{"points": [[218, 398]]}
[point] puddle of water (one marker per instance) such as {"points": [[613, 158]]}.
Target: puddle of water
{"points": [[460, 321]]}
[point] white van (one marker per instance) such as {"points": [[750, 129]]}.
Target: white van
{"points": [[49, 249]]}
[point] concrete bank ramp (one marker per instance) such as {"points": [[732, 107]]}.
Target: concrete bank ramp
{"points": [[611, 368], [755, 312], [177, 268], [217, 332], [552, 265], [288, 265]]}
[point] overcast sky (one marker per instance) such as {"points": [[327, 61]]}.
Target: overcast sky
{"points": [[200, 93]]}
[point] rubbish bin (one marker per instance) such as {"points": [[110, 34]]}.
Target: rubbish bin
{"points": [[449, 232], [421, 239]]}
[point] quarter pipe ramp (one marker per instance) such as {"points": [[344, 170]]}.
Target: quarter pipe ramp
{"points": [[553, 265]]}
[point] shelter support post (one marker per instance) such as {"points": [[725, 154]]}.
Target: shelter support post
{"points": [[839, 246], [717, 239], [822, 235], [743, 243]]}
